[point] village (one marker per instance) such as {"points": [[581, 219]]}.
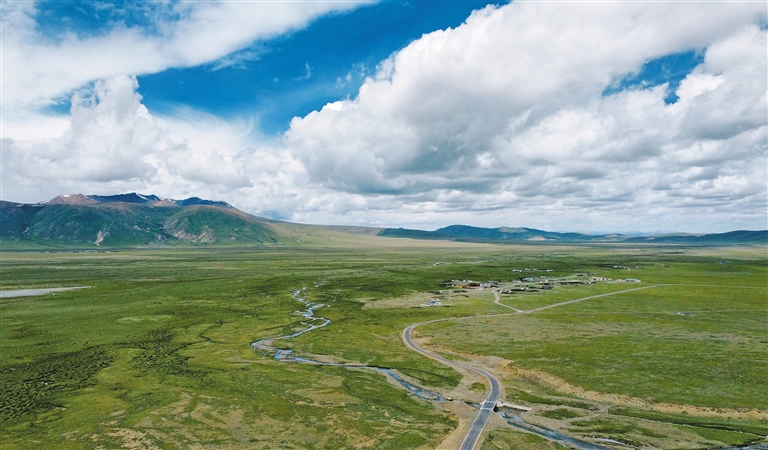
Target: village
{"points": [[527, 283]]}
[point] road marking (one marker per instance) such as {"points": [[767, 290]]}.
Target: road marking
{"points": [[473, 434]]}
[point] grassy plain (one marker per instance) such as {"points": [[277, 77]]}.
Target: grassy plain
{"points": [[689, 351], [156, 353]]}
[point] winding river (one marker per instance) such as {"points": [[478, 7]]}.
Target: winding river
{"points": [[313, 322]]}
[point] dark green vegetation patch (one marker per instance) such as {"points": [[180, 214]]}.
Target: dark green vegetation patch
{"points": [[560, 414], [41, 384]]}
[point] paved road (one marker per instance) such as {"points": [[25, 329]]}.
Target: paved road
{"points": [[486, 408]]}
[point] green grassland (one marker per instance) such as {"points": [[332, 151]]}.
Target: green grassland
{"points": [[698, 338], [507, 439], [156, 354]]}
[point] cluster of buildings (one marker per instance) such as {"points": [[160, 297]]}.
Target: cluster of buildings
{"points": [[469, 284], [530, 283]]}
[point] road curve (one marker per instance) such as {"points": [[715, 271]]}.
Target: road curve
{"points": [[498, 302], [490, 402]]}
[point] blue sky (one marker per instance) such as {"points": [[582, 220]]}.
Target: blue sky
{"points": [[303, 70], [669, 69], [277, 79], [562, 116]]}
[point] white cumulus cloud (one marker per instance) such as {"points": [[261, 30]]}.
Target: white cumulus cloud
{"points": [[508, 114], [504, 120], [113, 140], [40, 69]]}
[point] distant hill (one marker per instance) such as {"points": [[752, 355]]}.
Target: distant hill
{"points": [[514, 234], [131, 220], [503, 234], [731, 237], [531, 235]]}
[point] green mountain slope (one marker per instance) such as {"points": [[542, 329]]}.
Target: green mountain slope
{"points": [[130, 224], [15, 218], [109, 224], [209, 224]]}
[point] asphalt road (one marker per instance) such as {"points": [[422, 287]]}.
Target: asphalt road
{"points": [[486, 408]]}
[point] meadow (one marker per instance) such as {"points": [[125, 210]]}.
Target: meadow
{"points": [[156, 353]]}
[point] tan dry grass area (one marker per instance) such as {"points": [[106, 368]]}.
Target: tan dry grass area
{"points": [[750, 252], [400, 302], [181, 424], [417, 299], [670, 435], [323, 237], [560, 385], [462, 391], [325, 391], [652, 434], [239, 361], [527, 328], [194, 418], [132, 439], [464, 413]]}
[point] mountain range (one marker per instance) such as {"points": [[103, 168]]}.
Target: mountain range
{"points": [[531, 235], [133, 197], [129, 220]]}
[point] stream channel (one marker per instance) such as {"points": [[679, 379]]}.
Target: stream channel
{"points": [[285, 355]]}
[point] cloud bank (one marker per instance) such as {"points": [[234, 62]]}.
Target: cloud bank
{"points": [[507, 113], [517, 117]]}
